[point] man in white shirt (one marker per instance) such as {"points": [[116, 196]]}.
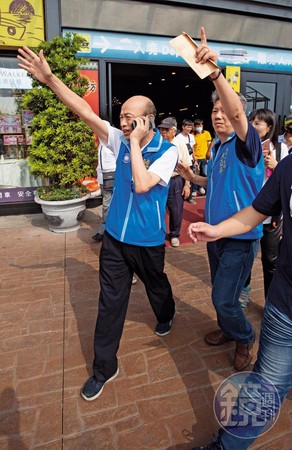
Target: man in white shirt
{"points": [[187, 137], [179, 189]]}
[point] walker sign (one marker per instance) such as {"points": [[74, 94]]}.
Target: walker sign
{"points": [[154, 48], [14, 79]]}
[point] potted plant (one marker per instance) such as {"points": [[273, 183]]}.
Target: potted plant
{"points": [[63, 149]]}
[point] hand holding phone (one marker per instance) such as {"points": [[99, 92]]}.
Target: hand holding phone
{"points": [[151, 123]]}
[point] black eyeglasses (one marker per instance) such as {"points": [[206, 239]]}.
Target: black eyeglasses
{"points": [[289, 130]]}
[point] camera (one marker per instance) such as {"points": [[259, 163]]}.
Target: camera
{"points": [[151, 123]]}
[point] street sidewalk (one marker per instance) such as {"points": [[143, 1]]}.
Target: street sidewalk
{"points": [[162, 398]]}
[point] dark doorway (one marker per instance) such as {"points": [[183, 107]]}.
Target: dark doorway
{"points": [[268, 90], [176, 91]]}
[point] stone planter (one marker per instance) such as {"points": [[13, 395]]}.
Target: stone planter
{"points": [[63, 216]]}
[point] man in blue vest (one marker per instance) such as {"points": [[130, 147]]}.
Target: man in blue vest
{"points": [[234, 177], [135, 228]]}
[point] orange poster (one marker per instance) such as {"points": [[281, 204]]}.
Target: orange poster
{"points": [[91, 95]]}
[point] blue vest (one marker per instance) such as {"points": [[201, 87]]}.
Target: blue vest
{"points": [[232, 185], [138, 219]]}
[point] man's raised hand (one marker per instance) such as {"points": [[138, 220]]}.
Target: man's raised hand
{"points": [[203, 52], [36, 65], [184, 171]]}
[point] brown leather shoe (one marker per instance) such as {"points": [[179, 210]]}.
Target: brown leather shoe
{"points": [[217, 338], [243, 355]]}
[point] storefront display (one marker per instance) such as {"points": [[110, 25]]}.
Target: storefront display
{"points": [[16, 182]]}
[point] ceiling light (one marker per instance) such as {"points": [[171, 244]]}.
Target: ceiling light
{"points": [[187, 85], [115, 101], [150, 83], [162, 79], [183, 109], [173, 73]]}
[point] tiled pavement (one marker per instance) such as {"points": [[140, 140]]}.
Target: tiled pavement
{"points": [[162, 398]]}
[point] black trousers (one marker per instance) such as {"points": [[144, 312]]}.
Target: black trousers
{"points": [[269, 250], [175, 204], [118, 262]]}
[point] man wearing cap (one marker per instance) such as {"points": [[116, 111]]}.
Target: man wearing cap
{"points": [[286, 138], [179, 189]]}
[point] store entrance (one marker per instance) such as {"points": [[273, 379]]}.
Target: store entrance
{"points": [[268, 90], [176, 91]]}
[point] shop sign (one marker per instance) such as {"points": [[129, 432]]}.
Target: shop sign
{"points": [[21, 23], [27, 117], [156, 48], [10, 124], [12, 195], [14, 79], [13, 139], [91, 94], [233, 77]]}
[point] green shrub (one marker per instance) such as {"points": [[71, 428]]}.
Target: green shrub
{"points": [[57, 194], [62, 149]]}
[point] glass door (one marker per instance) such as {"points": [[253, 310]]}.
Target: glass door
{"points": [[268, 90]]}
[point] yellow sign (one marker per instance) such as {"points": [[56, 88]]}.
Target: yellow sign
{"points": [[86, 46], [21, 23], [233, 77]]}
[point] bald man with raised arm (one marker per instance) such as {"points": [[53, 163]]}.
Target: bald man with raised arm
{"points": [[135, 228]]}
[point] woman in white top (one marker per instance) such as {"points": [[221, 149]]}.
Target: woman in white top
{"points": [[264, 120]]}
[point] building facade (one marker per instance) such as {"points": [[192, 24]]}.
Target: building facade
{"points": [[129, 52]]}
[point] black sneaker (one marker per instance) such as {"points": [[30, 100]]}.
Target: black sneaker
{"points": [[215, 445], [97, 237], [162, 329], [93, 388]]}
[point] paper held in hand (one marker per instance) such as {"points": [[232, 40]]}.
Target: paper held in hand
{"points": [[186, 48]]}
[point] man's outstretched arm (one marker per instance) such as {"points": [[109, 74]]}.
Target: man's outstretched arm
{"points": [[240, 223], [39, 68]]}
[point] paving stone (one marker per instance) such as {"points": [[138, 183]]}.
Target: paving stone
{"points": [[72, 420], [151, 437], [102, 439], [49, 426], [162, 398]]}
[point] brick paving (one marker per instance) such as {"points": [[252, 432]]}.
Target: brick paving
{"points": [[162, 398]]}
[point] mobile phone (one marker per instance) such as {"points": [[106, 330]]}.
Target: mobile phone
{"points": [[266, 146], [151, 123]]}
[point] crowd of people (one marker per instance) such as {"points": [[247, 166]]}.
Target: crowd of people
{"points": [[154, 170]]}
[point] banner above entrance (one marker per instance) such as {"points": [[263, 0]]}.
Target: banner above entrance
{"points": [[154, 48]]}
